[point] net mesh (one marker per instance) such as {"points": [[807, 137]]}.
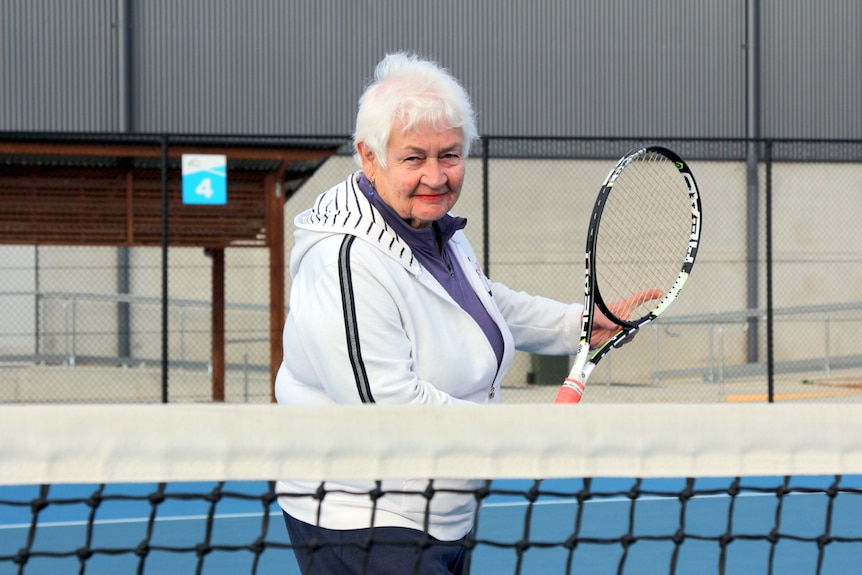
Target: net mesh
{"points": [[598, 488]]}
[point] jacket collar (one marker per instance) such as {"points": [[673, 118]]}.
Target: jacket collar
{"points": [[345, 209]]}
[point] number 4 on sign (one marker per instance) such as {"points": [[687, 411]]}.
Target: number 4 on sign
{"points": [[205, 188]]}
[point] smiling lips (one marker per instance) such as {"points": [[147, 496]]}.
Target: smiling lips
{"points": [[430, 198]]}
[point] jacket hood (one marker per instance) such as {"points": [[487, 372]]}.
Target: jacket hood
{"points": [[344, 209]]}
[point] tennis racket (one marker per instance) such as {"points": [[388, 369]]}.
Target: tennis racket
{"points": [[641, 245]]}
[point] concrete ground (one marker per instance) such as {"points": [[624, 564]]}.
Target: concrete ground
{"points": [[42, 383]]}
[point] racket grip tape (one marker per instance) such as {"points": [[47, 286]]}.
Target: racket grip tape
{"points": [[571, 391]]}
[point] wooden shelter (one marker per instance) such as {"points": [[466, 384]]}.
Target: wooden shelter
{"points": [[111, 190]]}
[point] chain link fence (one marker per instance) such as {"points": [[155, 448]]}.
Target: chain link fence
{"points": [[772, 311]]}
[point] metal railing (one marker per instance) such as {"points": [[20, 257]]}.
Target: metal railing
{"points": [[718, 369], [70, 332]]}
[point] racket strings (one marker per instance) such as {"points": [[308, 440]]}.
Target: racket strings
{"points": [[643, 233]]}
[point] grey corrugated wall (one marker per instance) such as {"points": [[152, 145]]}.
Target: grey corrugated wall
{"points": [[667, 68], [812, 68], [58, 65]]}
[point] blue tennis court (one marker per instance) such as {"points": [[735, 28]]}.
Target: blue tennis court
{"points": [[514, 535]]}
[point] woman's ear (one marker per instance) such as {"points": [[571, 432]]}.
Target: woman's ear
{"points": [[368, 159]]}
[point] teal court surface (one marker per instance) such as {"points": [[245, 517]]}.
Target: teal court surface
{"points": [[780, 525]]}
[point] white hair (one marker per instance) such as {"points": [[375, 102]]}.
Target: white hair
{"points": [[415, 91]]}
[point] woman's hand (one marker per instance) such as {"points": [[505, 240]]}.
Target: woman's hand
{"points": [[604, 329]]}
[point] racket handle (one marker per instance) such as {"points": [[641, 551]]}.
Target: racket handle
{"points": [[571, 391]]}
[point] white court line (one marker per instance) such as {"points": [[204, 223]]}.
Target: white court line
{"points": [[276, 512], [621, 499], [133, 520]]}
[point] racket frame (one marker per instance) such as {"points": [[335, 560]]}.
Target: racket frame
{"points": [[586, 358]]}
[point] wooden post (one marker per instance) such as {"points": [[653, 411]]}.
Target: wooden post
{"points": [[218, 324], [275, 237]]}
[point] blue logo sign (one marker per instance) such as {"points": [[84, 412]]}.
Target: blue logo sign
{"points": [[205, 179]]}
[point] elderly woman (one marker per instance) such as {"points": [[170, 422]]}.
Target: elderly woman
{"points": [[389, 305]]}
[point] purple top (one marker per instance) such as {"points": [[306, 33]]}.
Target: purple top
{"points": [[424, 244]]}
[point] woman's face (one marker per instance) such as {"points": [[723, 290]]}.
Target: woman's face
{"points": [[424, 173]]}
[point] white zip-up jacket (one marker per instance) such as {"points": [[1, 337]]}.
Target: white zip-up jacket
{"points": [[368, 324]]}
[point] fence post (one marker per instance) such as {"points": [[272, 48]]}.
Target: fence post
{"points": [[826, 352], [770, 316], [165, 198], [486, 232]]}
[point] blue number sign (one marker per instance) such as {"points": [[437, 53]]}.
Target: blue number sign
{"points": [[204, 179]]}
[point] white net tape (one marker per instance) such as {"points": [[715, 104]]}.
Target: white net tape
{"points": [[139, 443]]}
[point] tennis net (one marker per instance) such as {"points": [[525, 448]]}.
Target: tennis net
{"points": [[636, 488]]}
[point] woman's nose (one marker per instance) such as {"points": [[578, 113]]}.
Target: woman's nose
{"points": [[435, 175]]}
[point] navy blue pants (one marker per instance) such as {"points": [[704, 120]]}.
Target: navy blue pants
{"points": [[395, 551]]}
